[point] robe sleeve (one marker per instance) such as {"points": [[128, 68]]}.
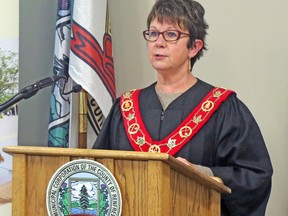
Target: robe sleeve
{"points": [[242, 161], [112, 135], [103, 139]]}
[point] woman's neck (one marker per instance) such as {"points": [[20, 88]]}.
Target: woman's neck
{"points": [[175, 84]]}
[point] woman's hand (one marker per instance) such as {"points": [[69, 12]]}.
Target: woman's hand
{"points": [[202, 169], [186, 162]]}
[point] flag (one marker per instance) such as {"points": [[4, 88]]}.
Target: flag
{"points": [[58, 129], [91, 62], [86, 58]]}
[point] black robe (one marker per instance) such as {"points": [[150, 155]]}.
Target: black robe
{"points": [[230, 144]]}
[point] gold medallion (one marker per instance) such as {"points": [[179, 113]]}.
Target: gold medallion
{"points": [[185, 131], [133, 128], [154, 149], [207, 106], [127, 105]]}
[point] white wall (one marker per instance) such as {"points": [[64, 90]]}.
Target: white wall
{"points": [[248, 46], [128, 21]]}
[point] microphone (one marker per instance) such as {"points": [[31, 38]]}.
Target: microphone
{"points": [[75, 89], [49, 81], [31, 90], [42, 83]]}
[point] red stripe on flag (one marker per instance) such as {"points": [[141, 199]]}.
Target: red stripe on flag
{"points": [[86, 47]]}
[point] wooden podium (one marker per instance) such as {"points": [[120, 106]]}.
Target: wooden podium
{"points": [[151, 184]]}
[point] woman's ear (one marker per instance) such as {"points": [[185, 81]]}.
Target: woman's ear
{"points": [[196, 47]]}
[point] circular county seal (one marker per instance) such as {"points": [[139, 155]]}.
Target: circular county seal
{"points": [[83, 187]]}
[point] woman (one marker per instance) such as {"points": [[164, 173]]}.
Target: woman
{"points": [[203, 126]]}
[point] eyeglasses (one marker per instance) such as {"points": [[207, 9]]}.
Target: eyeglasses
{"points": [[168, 35]]}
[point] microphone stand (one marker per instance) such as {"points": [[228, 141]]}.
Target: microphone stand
{"points": [[23, 94], [30, 90]]}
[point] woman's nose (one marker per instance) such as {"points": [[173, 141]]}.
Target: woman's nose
{"points": [[160, 41]]}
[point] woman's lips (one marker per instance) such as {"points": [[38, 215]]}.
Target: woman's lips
{"points": [[159, 56]]}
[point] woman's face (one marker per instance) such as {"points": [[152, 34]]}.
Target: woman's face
{"points": [[169, 56]]}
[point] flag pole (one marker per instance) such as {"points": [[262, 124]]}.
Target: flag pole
{"points": [[107, 25], [82, 116]]}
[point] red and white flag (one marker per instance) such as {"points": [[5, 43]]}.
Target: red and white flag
{"points": [[91, 63]]}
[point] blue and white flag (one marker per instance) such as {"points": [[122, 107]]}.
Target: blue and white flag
{"points": [[60, 104]]}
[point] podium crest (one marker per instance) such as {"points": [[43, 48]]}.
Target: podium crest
{"points": [[83, 187]]}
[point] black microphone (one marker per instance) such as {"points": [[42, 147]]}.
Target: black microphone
{"points": [[75, 89], [49, 81], [31, 90]]}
